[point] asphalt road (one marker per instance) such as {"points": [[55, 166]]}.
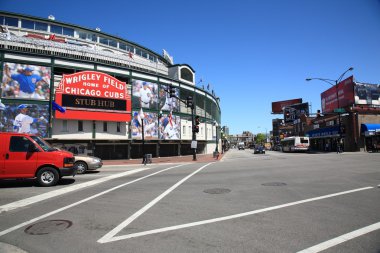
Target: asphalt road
{"points": [[245, 203]]}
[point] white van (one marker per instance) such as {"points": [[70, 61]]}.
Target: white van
{"points": [[241, 145]]}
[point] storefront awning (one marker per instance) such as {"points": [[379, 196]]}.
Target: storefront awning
{"points": [[327, 132], [370, 129]]}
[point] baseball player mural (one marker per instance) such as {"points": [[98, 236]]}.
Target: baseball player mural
{"points": [[170, 127], [26, 81], [144, 94], [22, 122], [150, 126], [24, 118], [166, 102]]}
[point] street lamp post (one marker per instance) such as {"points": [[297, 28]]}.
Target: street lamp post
{"points": [[216, 137], [142, 116], [335, 83]]}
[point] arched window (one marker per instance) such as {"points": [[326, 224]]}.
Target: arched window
{"points": [[187, 75]]}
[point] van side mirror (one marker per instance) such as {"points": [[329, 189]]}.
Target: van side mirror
{"points": [[32, 148]]}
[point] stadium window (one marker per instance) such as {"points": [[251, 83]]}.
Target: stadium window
{"points": [[40, 26], [187, 75], [112, 43], [103, 41], [1, 20], [27, 24], [82, 35], [80, 126], [130, 49], [144, 54], [56, 29], [138, 51], [94, 37], [11, 21], [151, 57], [105, 126], [68, 31], [123, 46], [118, 127]]}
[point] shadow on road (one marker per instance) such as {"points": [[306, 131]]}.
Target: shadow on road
{"points": [[26, 183]]}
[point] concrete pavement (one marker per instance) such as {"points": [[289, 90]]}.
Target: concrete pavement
{"points": [[172, 159]]}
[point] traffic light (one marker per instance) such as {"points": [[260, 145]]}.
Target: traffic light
{"points": [[196, 125], [197, 120], [189, 101], [171, 91]]}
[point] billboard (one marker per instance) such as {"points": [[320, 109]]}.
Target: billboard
{"points": [[166, 102], [25, 81], [144, 94], [294, 112], [24, 118], [367, 94], [278, 107], [170, 127], [91, 95], [150, 126], [345, 90]]}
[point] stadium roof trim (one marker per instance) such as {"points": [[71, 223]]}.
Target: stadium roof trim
{"points": [[84, 28]]}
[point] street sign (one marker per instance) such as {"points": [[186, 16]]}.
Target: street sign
{"points": [[339, 110]]}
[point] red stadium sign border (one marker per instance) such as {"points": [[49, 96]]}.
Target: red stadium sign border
{"points": [[92, 95]]}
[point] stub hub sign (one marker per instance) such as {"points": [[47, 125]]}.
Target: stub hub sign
{"points": [[100, 96]]}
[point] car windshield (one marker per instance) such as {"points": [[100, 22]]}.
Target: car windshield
{"points": [[43, 144]]}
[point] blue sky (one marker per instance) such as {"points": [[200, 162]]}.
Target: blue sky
{"points": [[251, 52]]}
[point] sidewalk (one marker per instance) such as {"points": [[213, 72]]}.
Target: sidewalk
{"points": [[172, 159]]}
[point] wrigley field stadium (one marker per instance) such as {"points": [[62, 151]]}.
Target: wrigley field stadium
{"points": [[94, 93]]}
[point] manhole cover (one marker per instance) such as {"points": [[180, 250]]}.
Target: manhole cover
{"points": [[274, 184], [48, 227], [217, 191]]}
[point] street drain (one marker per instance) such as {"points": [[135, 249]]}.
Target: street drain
{"points": [[217, 191], [48, 227], [274, 184]]}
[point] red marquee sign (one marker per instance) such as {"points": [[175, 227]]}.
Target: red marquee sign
{"points": [[91, 95]]}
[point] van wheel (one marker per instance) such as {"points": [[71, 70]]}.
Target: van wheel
{"points": [[47, 177], [81, 167]]}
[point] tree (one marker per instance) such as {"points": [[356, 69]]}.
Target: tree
{"points": [[260, 138]]}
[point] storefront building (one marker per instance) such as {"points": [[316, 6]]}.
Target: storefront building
{"points": [[93, 93], [354, 125]]}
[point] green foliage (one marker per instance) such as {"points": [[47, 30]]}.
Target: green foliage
{"points": [[260, 138]]}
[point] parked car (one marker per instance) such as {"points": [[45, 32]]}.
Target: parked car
{"points": [[84, 163], [259, 150], [29, 156]]}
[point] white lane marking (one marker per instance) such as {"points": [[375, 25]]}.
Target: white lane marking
{"points": [[341, 239], [110, 235], [105, 239], [4, 232], [55, 193]]}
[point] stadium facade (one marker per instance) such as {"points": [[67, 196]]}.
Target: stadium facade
{"points": [[91, 92]]}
